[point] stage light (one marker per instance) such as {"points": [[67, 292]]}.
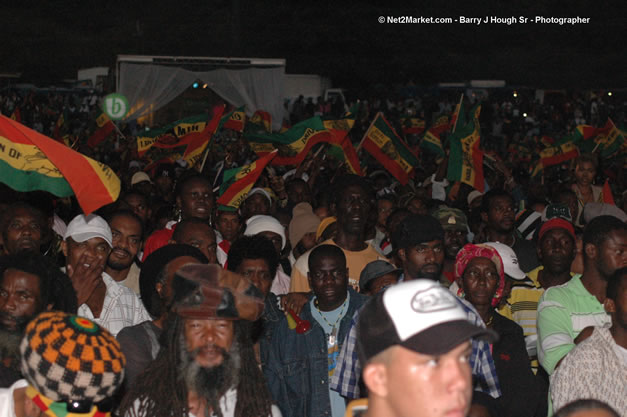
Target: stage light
{"points": [[195, 85], [515, 94], [609, 93], [204, 85], [524, 114]]}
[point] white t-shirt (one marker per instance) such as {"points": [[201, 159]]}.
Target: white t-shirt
{"points": [[7, 407], [227, 406]]}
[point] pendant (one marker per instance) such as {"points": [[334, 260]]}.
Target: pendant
{"points": [[332, 338]]}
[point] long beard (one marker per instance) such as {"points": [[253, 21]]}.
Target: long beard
{"points": [[10, 348], [212, 383]]}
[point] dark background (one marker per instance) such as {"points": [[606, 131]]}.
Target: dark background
{"points": [[48, 41]]}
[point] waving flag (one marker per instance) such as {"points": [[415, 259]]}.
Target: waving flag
{"points": [[262, 119], [606, 193], [31, 161], [412, 125], [234, 120], [382, 142], [184, 139], [198, 141], [431, 140], [465, 162], [237, 182], [104, 127]]}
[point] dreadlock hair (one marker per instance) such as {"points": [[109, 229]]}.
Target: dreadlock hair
{"points": [[162, 390], [159, 390]]}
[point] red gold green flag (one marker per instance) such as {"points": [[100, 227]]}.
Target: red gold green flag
{"points": [[263, 119], [466, 157], [198, 141], [169, 136], [431, 140], [237, 182], [342, 149], [234, 120], [17, 115], [610, 140], [104, 127], [412, 125], [382, 142], [31, 161], [292, 145], [558, 154], [606, 193]]}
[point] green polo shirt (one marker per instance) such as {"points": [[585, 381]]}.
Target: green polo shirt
{"points": [[563, 312]]}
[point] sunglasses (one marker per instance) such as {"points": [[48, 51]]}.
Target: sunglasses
{"points": [[85, 406]]}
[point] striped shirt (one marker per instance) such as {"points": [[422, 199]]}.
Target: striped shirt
{"points": [[522, 308], [563, 312]]}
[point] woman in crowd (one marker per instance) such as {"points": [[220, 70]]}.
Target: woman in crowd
{"points": [[480, 275]]}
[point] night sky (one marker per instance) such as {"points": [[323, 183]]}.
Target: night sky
{"points": [[49, 40]]}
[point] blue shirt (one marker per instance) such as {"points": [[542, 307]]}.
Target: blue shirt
{"points": [[330, 320]]}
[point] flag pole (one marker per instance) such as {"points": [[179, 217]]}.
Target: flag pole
{"points": [[119, 131], [460, 110], [358, 148], [204, 159]]}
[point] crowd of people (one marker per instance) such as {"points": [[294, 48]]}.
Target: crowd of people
{"points": [[324, 293]]}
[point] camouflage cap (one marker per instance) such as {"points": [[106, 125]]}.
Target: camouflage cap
{"points": [[451, 219], [210, 292]]}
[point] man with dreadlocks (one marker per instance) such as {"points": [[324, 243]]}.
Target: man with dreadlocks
{"points": [[206, 366]]}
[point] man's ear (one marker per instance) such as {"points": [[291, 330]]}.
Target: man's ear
{"points": [[609, 305], [64, 247], [402, 255], [159, 288], [590, 251], [376, 379], [333, 209]]}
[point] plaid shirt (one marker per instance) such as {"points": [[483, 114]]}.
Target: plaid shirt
{"points": [[345, 379], [121, 308]]}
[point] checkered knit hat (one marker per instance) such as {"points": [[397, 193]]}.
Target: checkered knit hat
{"points": [[69, 358]]}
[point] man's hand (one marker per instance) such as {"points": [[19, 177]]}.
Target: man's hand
{"points": [[294, 301], [85, 279], [585, 333]]}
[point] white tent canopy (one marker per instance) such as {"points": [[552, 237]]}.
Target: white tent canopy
{"points": [[148, 87]]}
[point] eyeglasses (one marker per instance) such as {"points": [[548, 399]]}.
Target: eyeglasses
{"points": [[85, 406]]}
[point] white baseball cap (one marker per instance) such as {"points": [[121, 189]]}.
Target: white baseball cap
{"points": [[140, 176], [83, 228], [420, 315], [510, 260]]}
